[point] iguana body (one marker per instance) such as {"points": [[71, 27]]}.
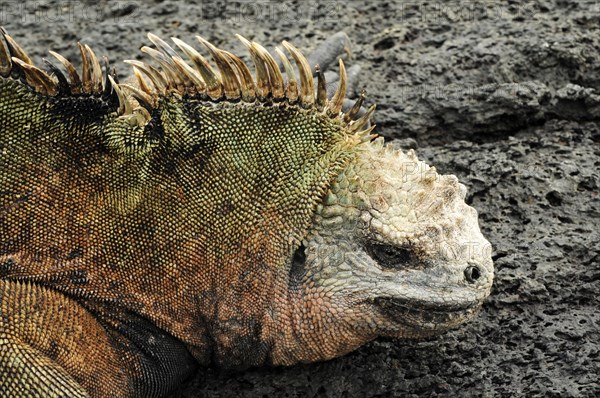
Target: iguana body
{"points": [[210, 217]]}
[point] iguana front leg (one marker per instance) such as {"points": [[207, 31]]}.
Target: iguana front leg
{"points": [[50, 346]]}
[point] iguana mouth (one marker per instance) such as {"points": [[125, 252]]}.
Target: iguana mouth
{"points": [[426, 314]]}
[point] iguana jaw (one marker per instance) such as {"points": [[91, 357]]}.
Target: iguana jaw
{"points": [[420, 303], [423, 317], [327, 322], [423, 321], [397, 307]]}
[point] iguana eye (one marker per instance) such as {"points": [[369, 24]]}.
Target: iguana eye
{"points": [[390, 256]]}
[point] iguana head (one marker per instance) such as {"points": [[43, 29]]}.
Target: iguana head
{"points": [[393, 251]]}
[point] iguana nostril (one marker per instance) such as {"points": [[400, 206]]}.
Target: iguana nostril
{"points": [[472, 273]]}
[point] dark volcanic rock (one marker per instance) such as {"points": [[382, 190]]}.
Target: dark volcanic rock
{"points": [[503, 94]]}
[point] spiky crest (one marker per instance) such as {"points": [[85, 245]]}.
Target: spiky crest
{"points": [[15, 62], [231, 79]]}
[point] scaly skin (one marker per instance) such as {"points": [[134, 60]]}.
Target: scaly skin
{"points": [[210, 219]]}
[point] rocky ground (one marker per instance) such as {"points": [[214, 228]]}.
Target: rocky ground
{"points": [[503, 94]]}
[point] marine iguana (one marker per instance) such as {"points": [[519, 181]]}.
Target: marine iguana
{"points": [[204, 215]]}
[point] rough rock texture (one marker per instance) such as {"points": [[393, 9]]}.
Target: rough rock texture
{"points": [[506, 96]]}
